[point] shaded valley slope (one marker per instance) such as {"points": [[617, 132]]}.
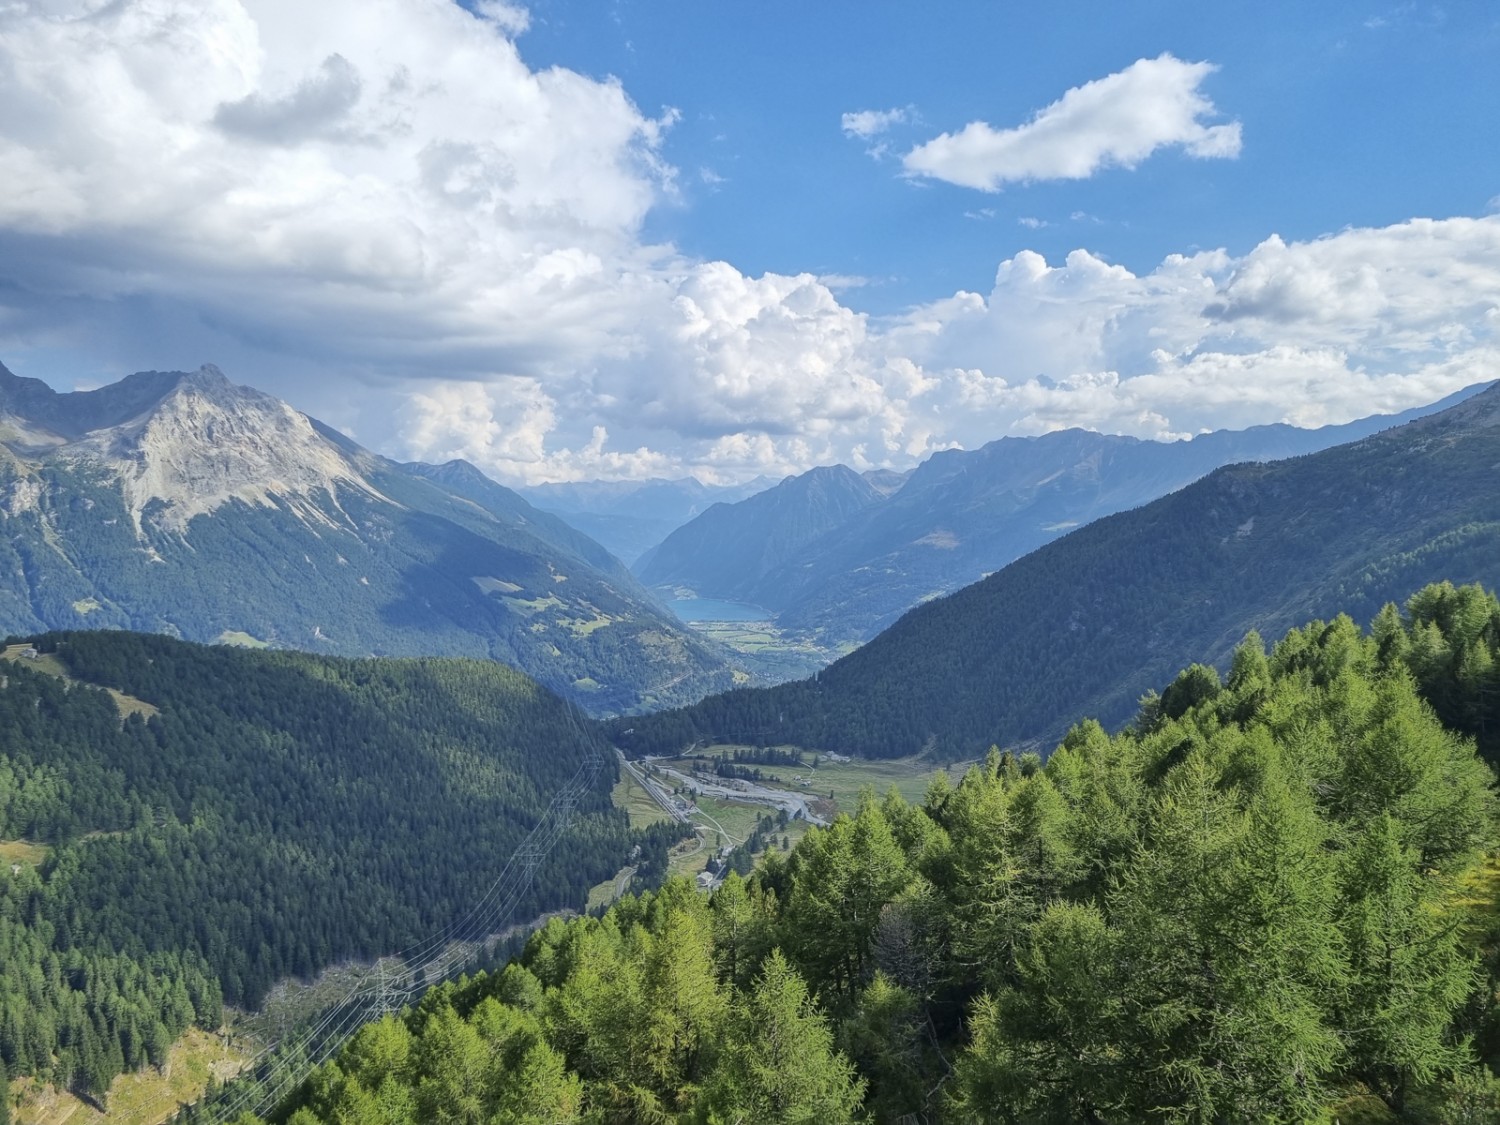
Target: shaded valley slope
{"points": [[1089, 623]]}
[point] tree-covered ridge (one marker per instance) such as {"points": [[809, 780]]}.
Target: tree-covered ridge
{"points": [[1087, 623], [76, 1016], [1263, 901], [842, 573], [279, 813]]}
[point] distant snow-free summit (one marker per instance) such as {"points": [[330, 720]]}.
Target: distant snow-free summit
{"points": [[835, 560]]}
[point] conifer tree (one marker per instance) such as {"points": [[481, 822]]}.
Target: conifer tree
{"points": [[780, 1066], [1408, 971]]}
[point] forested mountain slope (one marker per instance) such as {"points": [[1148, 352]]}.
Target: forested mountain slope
{"points": [[258, 815], [1266, 901], [839, 575], [1088, 623], [965, 514], [180, 503]]}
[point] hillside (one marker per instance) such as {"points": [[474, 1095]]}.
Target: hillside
{"points": [[1273, 899], [182, 504], [728, 551], [1090, 622], [230, 818], [960, 515]]}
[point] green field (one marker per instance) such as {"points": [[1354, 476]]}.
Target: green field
{"points": [[844, 781], [52, 666], [736, 818], [23, 851], [775, 655], [147, 1097], [242, 640], [629, 795], [606, 892]]}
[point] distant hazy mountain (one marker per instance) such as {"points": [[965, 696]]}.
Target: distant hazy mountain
{"points": [[180, 503], [628, 517], [1086, 624], [728, 550], [959, 516]]}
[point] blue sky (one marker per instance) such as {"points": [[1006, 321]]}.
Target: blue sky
{"points": [[1353, 114], [573, 238]]}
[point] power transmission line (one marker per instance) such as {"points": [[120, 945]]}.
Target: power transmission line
{"points": [[429, 962]]}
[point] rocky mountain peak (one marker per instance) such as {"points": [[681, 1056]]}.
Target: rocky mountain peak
{"points": [[182, 443]]}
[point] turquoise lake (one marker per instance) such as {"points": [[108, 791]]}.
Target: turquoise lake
{"points": [[711, 609]]}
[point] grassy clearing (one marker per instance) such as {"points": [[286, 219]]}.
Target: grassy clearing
{"points": [[528, 606], [611, 889], [130, 705], [753, 636], [781, 656], [496, 585], [736, 817], [581, 627], [846, 780], [691, 856], [239, 639], [23, 852], [145, 1098], [637, 803], [42, 662], [49, 664]]}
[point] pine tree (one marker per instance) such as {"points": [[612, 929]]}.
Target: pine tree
{"points": [[780, 1066], [846, 875], [1048, 1048], [1408, 971], [1222, 916]]}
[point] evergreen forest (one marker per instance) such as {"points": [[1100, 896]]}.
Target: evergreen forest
{"points": [[265, 815], [1271, 897]]}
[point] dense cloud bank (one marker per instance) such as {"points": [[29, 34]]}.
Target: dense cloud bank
{"points": [[379, 211]]}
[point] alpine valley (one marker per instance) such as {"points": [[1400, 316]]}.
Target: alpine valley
{"points": [[1090, 622], [749, 564], [1252, 878], [835, 556]]}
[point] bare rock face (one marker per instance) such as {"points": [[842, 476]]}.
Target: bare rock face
{"points": [[192, 442]]}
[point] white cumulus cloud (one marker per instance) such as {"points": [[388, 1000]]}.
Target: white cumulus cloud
{"points": [[1369, 320], [378, 210], [1116, 121], [870, 122], [374, 167]]}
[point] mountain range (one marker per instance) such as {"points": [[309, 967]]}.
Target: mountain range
{"points": [[180, 503], [631, 516], [1087, 624], [836, 560]]}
